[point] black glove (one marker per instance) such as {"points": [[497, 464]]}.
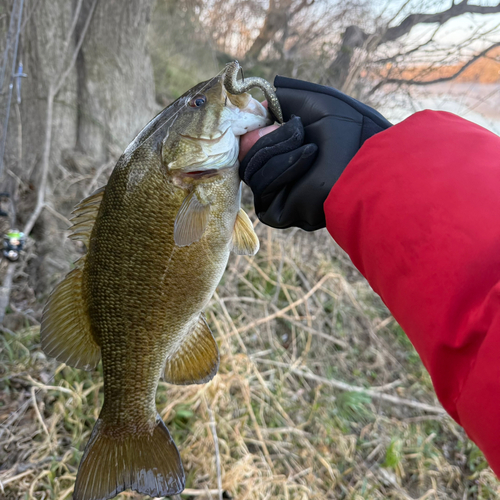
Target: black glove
{"points": [[292, 170]]}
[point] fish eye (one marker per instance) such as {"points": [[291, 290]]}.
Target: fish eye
{"points": [[198, 101]]}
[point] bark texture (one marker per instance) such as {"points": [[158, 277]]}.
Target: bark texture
{"points": [[115, 77], [42, 51], [108, 94], [89, 90]]}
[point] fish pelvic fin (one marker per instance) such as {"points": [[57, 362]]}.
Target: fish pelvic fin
{"points": [[120, 459], [244, 240], [196, 360], [84, 216], [65, 331], [191, 221]]}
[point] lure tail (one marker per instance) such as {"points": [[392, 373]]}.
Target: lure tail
{"points": [[148, 463]]}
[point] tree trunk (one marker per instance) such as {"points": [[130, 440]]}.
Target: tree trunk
{"points": [[108, 95], [275, 20], [42, 53], [339, 70], [105, 98], [115, 83]]}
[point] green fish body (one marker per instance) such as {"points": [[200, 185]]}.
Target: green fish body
{"points": [[158, 239]]}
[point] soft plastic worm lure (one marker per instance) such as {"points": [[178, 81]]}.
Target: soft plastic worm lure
{"points": [[238, 87]]}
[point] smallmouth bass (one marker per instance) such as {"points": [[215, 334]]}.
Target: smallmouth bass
{"points": [[158, 238]]}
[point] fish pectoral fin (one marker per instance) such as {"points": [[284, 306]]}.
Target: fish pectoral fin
{"points": [[117, 459], [191, 221], [196, 360], [65, 331], [84, 216], [244, 240]]}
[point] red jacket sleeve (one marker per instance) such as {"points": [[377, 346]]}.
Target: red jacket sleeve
{"points": [[418, 212]]}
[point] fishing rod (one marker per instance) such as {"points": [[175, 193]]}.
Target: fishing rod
{"points": [[11, 85], [13, 240]]}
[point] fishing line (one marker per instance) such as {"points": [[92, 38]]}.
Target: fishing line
{"points": [[7, 46]]}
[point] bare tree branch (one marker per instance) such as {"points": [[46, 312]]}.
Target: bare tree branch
{"points": [[402, 81], [455, 10], [355, 37], [402, 55], [278, 16], [62, 79], [69, 36]]}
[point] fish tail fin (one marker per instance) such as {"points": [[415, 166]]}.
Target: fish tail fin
{"points": [[116, 460]]}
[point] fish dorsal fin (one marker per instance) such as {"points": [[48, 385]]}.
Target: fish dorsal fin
{"points": [[84, 216], [191, 221], [65, 331], [196, 360], [244, 240]]}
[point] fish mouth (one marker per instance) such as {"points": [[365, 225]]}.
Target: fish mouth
{"points": [[204, 174], [215, 165], [246, 114], [198, 174], [208, 140]]}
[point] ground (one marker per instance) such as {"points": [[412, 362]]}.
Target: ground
{"points": [[300, 332]]}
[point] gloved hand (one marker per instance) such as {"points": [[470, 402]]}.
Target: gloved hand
{"points": [[292, 169]]}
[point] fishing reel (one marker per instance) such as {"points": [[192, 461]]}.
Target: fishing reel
{"points": [[13, 240], [13, 243]]}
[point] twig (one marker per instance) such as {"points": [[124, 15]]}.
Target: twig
{"points": [[6, 288], [38, 414], [25, 314], [96, 176], [213, 428], [69, 36], [40, 202], [197, 493], [62, 78], [55, 213], [14, 478], [457, 73], [281, 312], [354, 388], [52, 387]]}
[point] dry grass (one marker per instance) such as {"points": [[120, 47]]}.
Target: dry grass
{"points": [[297, 326]]}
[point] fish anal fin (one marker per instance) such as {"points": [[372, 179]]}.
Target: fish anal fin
{"points": [[120, 459], [197, 359], [65, 331], [244, 240], [84, 216], [191, 221]]}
